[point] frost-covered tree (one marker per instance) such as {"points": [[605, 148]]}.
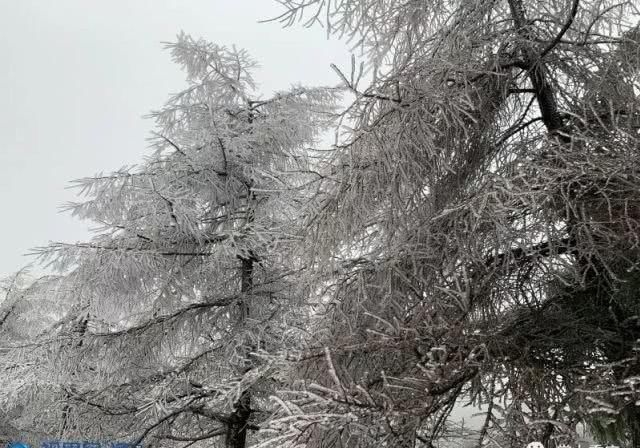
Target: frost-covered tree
{"points": [[480, 243], [26, 312], [190, 278]]}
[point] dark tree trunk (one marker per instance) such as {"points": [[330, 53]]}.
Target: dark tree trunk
{"points": [[239, 420], [237, 430]]}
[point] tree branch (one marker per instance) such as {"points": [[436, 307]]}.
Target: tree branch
{"points": [[563, 30]]}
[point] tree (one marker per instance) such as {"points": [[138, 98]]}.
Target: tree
{"points": [[480, 241], [26, 311], [188, 281]]}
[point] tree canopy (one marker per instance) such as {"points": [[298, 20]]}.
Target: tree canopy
{"points": [[189, 276], [486, 206], [470, 238]]}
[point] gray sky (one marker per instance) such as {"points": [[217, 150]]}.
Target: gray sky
{"points": [[78, 75]]}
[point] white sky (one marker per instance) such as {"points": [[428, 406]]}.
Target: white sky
{"points": [[77, 76]]}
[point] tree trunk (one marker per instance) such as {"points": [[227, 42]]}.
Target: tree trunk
{"points": [[237, 430]]}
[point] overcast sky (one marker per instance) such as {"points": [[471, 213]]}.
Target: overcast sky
{"points": [[77, 76]]}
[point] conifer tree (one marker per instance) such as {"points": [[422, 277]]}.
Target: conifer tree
{"points": [[480, 244], [189, 279]]}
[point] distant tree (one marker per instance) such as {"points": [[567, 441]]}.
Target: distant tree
{"points": [[480, 243], [190, 277]]}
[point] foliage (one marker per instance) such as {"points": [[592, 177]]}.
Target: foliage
{"points": [[188, 278], [471, 239], [482, 235]]}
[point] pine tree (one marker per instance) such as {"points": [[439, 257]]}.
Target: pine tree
{"points": [[191, 276]]}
